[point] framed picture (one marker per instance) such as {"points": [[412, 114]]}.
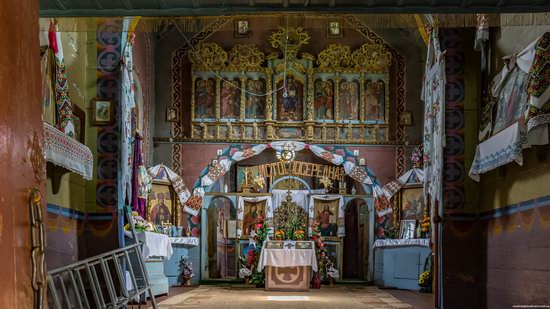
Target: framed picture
{"points": [[251, 212], [79, 121], [326, 213], [230, 229], [102, 112], [161, 204], [171, 114], [334, 29], [407, 229], [334, 253], [411, 202], [242, 28], [405, 118]]}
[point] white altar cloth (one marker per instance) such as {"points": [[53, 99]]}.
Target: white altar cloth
{"points": [[424, 242], [288, 257], [154, 244], [186, 241]]}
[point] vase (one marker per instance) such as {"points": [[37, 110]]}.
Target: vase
{"points": [[330, 281], [187, 281], [247, 281]]}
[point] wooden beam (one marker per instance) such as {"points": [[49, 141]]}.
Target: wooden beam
{"points": [[285, 3]]}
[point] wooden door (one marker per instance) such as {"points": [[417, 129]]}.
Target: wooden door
{"points": [[354, 241], [22, 165]]}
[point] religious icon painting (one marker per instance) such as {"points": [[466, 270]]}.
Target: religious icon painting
{"points": [[326, 213], [230, 96], [242, 28], [251, 213], [171, 114], [333, 253], [407, 229], [349, 100], [290, 99], [255, 98], [323, 102], [412, 203], [205, 98], [102, 112], [375, 101], [161, 204], [334, 29]]}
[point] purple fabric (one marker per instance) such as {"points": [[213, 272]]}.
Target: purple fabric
{"points": [[138, 204]]}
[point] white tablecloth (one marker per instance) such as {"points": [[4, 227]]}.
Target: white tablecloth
{"points": [[288, 257], [186, 241], [424, 242], [154, 244]]}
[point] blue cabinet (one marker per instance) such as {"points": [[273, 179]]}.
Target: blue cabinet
{"points": [[171, 265], [399, 267]]}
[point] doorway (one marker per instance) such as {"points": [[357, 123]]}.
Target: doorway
{"points": [[222, 255], [356, 240]]}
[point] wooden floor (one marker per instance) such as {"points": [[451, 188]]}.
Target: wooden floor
{"points": [[178, 290]]}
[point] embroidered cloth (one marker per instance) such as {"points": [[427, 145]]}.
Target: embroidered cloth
{"points": [[288, 256], [380, 243], [185, 241], [393, 187], [505, 147], [433, 95], [65, 151], [538, 82], [154, 244]]}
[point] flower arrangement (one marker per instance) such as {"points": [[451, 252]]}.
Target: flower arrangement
{"points": [[258, 183], [257, 237], [140, 224], [319, 240], [391, 233], [280, 234], [185, 267], [425, 279], [417, 157], [299, 234], [245, 272]]}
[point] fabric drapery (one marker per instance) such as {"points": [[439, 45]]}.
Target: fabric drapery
{"points": [[433, 95], [65, 151], [139, 199], [177, 183], [393, 187], [62, 99], [505, 147]]}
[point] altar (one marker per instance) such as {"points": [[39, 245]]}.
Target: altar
{"points": [[287, 265]]}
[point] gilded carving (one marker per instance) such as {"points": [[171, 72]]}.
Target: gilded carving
{"points": [[208, 55], [372, 58], [290, 40], [335, 56], [245, 56]]}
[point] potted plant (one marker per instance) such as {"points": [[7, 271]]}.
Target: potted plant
{"points": [[245, 273], [185, 267]]}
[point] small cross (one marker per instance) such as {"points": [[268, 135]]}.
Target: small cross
{"points": [[289, 245]]}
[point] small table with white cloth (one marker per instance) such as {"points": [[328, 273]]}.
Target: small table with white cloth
{"points": [[287, 264]]}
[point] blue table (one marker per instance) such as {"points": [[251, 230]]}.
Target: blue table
{"points": [[182, 246]]}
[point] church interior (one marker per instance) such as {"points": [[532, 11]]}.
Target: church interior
{"points": [[308, 154]]}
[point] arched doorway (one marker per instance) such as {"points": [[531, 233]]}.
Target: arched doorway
{"points": [[221, 249], [356, 240]]}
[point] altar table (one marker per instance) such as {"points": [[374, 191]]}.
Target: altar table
{"points": [[287, 264]]}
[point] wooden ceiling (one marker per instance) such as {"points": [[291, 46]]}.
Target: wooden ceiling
{"points": [[81, 8]]}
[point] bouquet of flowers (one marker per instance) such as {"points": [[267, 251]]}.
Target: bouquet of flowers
{"points": [[280, 234], [185, 267], [299, 234], [257, 237], [319, 240], [425, 279], [140, 224]]}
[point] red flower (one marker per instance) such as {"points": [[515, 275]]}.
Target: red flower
{"points": [[258, 226]]}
